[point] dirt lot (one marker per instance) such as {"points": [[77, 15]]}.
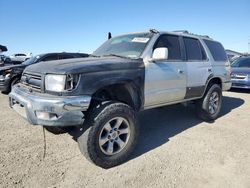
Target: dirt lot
{"points": [[175, 150]]}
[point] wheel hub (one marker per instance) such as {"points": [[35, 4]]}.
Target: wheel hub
{"points": [[114, 136], [213, 103]]}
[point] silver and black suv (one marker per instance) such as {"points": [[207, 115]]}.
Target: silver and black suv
{"points": [[127, 74]]}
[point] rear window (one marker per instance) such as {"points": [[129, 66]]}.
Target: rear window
{"points": [[20, 55], [216, 50]]}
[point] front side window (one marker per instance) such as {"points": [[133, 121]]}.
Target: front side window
{"points": [[172, 43], [130, 46], [194, 49]]}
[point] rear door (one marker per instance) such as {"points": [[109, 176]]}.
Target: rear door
{"points": [[165, 80], [198, 67]]}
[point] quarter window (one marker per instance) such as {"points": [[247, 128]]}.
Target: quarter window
{"points": [[172, 43], [51, 57], [194, 49], [65, 56], [216, 50]]}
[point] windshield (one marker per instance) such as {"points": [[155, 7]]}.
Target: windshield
{"points": [[241, 62], [31, 60], [130, 46]]}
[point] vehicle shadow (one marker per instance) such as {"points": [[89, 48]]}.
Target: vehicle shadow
{"points": [[240, 90], [158, 125]]}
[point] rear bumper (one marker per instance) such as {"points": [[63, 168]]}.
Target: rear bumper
{"points": [[226, 86], [49, 110]]}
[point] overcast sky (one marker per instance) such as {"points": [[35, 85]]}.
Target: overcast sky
{"points": [[41, 26]]}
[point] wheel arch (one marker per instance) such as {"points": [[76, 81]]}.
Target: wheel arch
{"points": [[212, 80], [125, 91]]}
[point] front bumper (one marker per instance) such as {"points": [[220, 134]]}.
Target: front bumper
{"points": [[44, 109], [242, 84], [4, 83]]}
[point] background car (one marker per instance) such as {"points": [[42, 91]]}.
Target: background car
{"points": [[10, 75], [20, 57], [4, 60], [1, 60], [240, 75], [2, 56]]}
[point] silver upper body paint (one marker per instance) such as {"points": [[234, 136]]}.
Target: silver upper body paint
{"points": [[168, 81]]}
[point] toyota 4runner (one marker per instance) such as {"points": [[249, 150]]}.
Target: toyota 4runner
{"points": [[127, 74]]}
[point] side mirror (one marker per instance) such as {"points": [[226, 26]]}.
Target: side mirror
{"points": [[160, 54]]}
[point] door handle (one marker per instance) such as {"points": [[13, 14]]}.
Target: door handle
{"points": [[180, 71]]}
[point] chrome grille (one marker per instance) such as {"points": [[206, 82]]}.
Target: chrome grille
{"points": [[32, 81], [238, 76]]}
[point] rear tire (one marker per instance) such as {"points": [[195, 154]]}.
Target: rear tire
{"points": [[110, 135], [208, 107]]}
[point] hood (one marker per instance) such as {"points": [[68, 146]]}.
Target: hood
{"points": [[243, 70], [11, 67], [85, 65]]}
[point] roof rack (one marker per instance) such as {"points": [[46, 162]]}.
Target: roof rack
{"points": [[181, 31], [187, 32]]}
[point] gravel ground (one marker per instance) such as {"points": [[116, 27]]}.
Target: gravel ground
{"points": [[175, 150]]}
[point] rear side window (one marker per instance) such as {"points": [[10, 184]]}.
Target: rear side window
{"points": [[51, 57], [20, 55], [172, 43], [216, 50], [65, 56], [194, 49]]}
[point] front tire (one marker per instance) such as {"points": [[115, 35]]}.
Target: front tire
{"points": [[111, 134], [208, 107]]}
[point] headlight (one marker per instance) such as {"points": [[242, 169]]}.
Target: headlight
{"points": [[55, 82], [6, 73], [59, 83]]}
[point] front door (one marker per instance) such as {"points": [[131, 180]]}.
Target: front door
{"points": [[165, 81]]}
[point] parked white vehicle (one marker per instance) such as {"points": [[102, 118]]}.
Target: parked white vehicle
{"points": [[20, 57]]}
